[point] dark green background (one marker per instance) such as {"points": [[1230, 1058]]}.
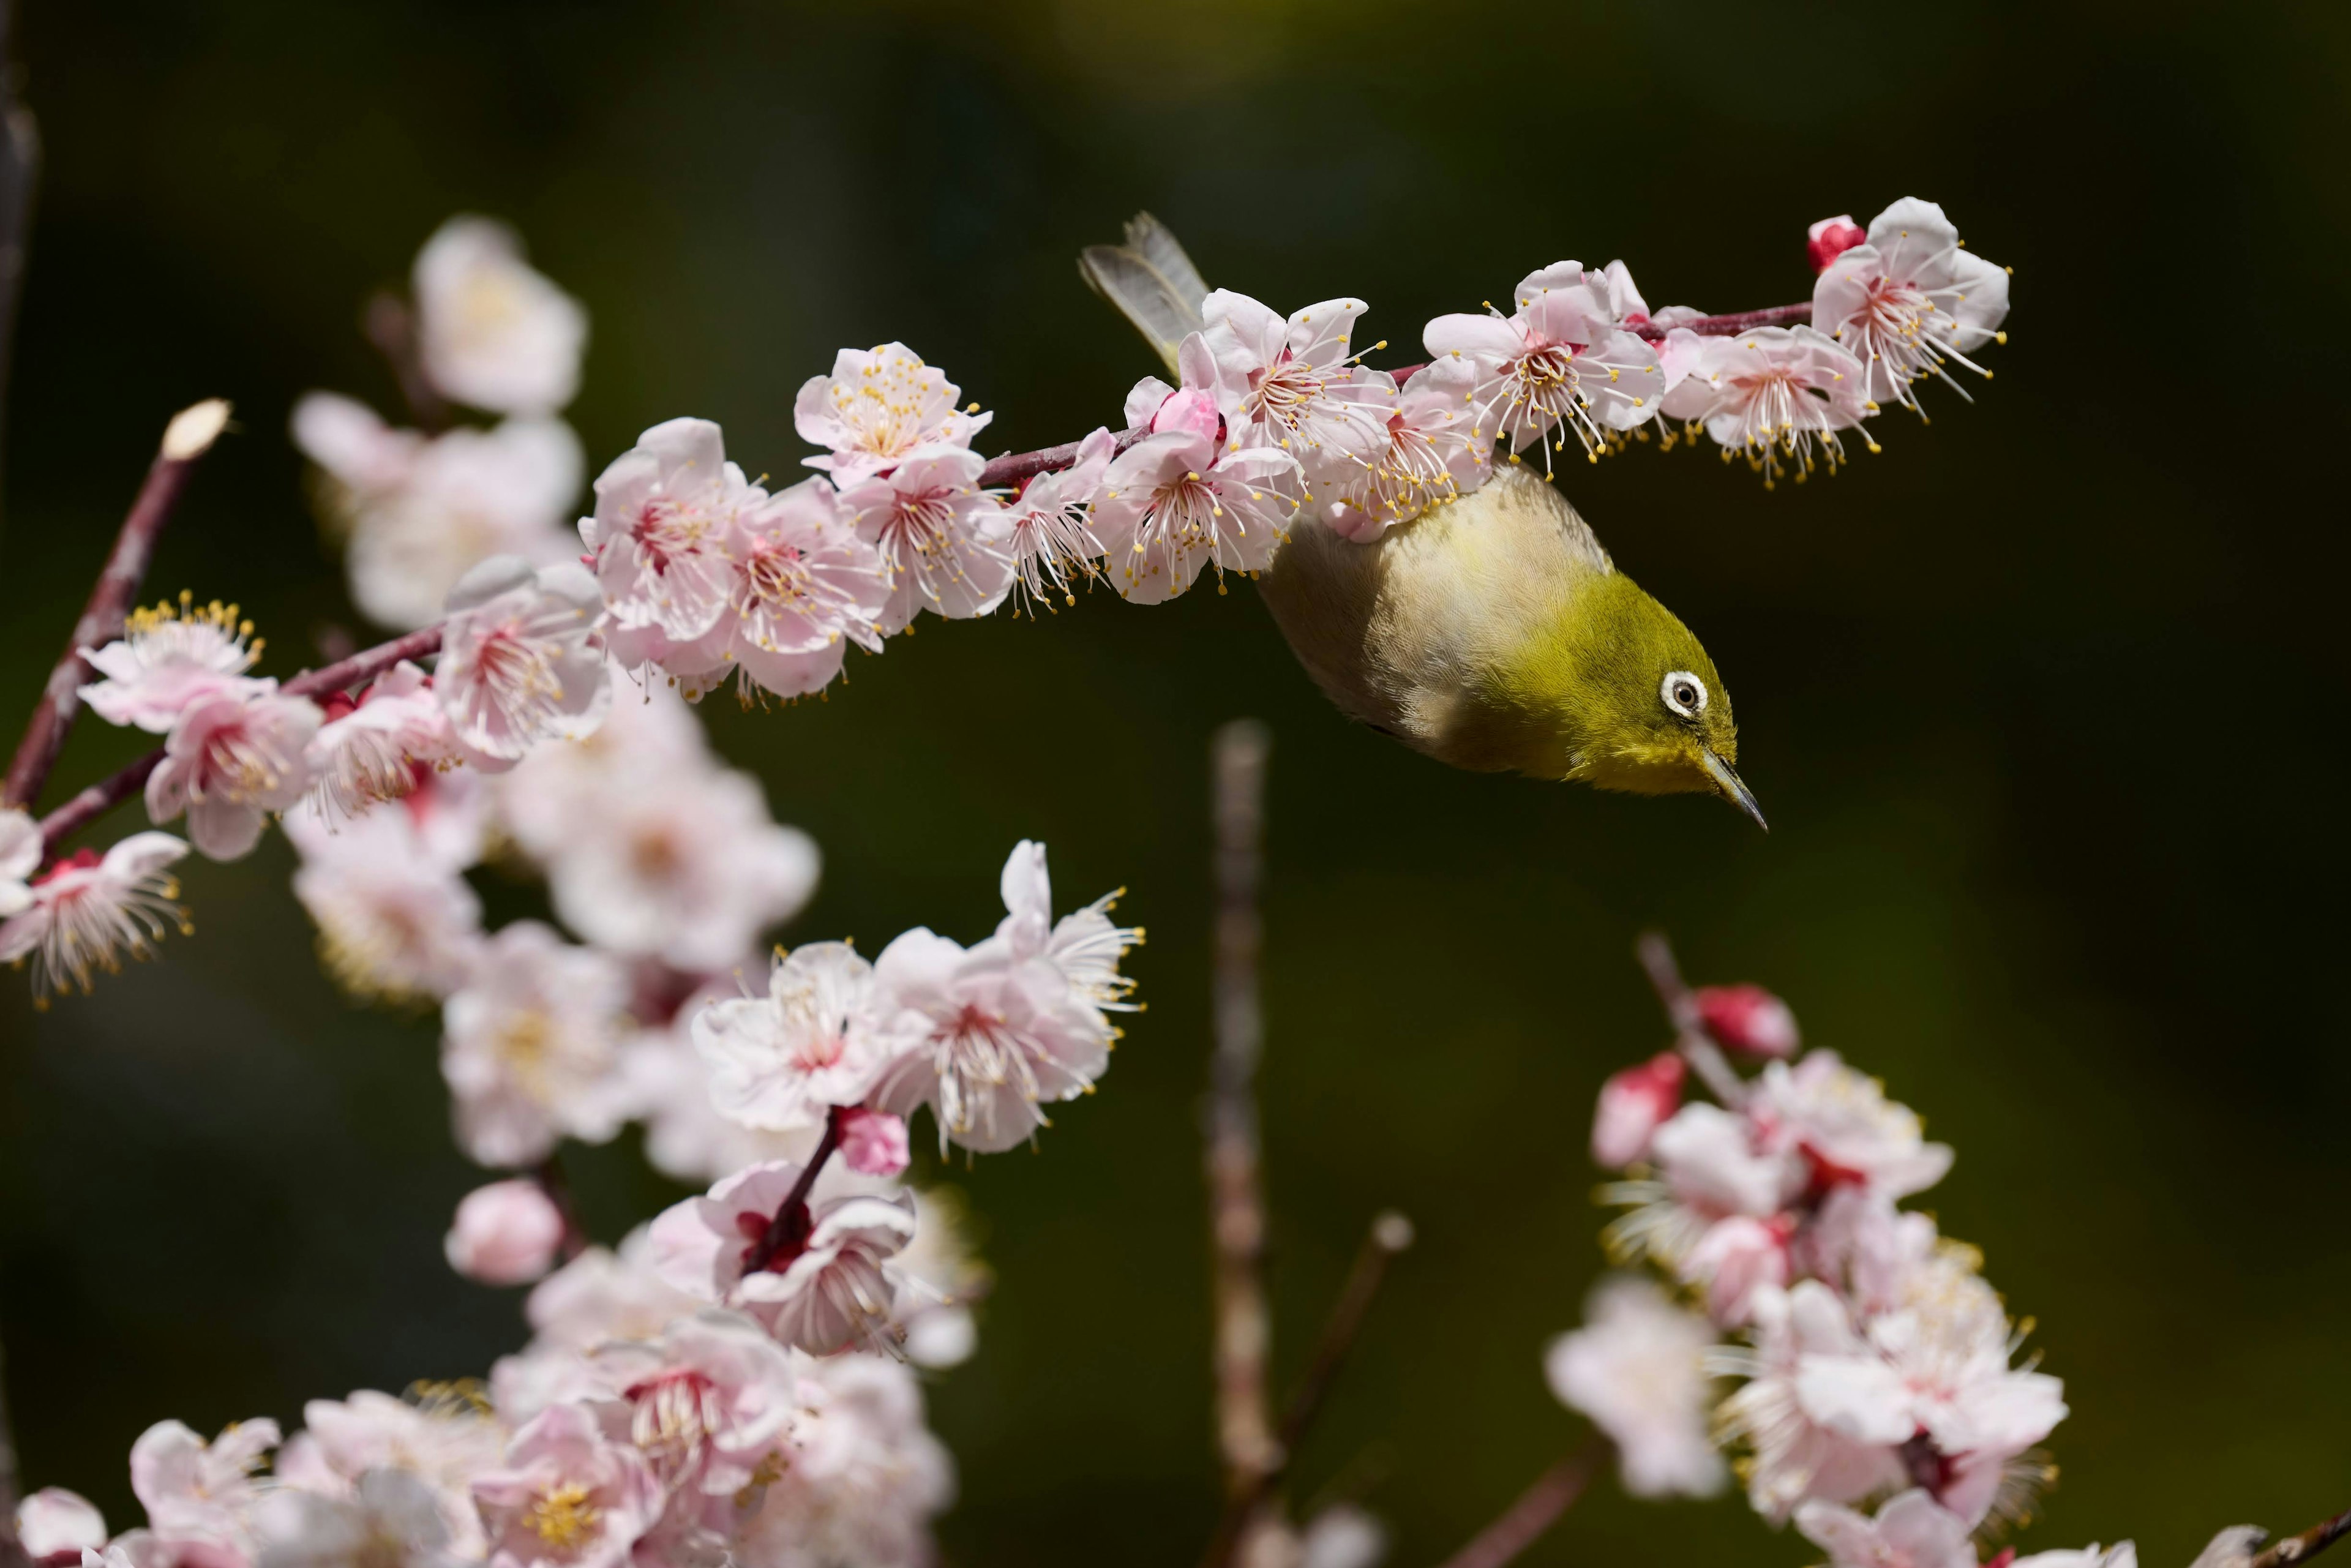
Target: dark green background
{"points": [[2045, 703]]}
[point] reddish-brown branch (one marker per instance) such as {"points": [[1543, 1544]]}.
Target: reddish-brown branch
{"points": [[186, 439], [788, 1232], [1016, 467], [1697, 1046], [106, 793], [2309, 1543], [1536, 1510]]}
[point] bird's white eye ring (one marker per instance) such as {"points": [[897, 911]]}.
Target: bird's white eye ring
{"points": [[1683, 693]]}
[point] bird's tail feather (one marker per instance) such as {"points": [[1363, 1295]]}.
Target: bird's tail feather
{"points": [[1151, 281]]}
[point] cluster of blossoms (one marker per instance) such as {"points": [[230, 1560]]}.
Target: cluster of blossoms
{"points": [[1878, 1399]]}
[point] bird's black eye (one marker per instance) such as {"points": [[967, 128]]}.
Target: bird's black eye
{"points": [[1683, 692]]}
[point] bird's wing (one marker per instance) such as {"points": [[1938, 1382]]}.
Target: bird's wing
{"points": [[1151, 280]]}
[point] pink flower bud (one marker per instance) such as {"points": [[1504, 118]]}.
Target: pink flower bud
{"points": [[1736, 1258], [1831, 239], [507, 1233], [1187, 409], [1633, 1105], [874, 1143], [1748, 1020], [55, 1526]]}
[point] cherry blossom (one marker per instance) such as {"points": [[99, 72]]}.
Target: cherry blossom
{"points": [[1911, 1531], [519, 660], [529, 1046], [1830, 238], [88, 911], [1843, 1124], [877, 408], [710, 1401], [20, 857], [806, 585], [1710, 1167], [568, 1497], [866, 1475], [507, 1233], [1173, 503], [1733, 1259], [1635, 1369], [561, 794], [874, 1143], [668, 1089], [388, 1519], [396, 920], [1291, 386], [944, 541], [1560, 359], [1806, 1353], [1050, 529], [1433, 452], [827, 1289], [1775, 395], [232, 759], [1748, 1020], [491, 331], [168, 658], [665, 512], [604, 1295], [1634, 1103], [1909, 302], [54, 1524], [814, 1040], [1084, 945], [444, 1438], [379, 746], [199, 1495]]}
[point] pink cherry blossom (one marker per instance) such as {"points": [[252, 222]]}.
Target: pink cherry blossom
{"points": [[812, 1041], [665, 512], [1050, 530], [1805, 1444], [1910, 302], [507, 1233], [530, 1047], [1560, 359], [1636, 1369], [1831, 239], [568, 1497], [1432, 453], [604, 1295], [877, 408], [1085, 944], [1736, 1257], [21, 845], [1173, 503], [710, 1401], [1634, 1103], [826, 1287], [396, 919], [379, 748], [443, 1439], [199, 1496], [168, 658], [805, 587], [942, 541], [88, 911], [386, 1519], [520, 662], [1911, 1531], [1840, 1123], [55, 1526], [491, 331], [232, 759], [874, 1143], [1776, 396], [1292, 386], [866, 1475], [668, 1089], [1748, 1020]]}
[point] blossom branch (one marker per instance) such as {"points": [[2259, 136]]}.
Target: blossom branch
{"points": [[1235, 1197], [1536, 1510], [2309, 1543], [1706, 1058], [106, 793], [1390, 1234], [186, 439], [788, 1230]]}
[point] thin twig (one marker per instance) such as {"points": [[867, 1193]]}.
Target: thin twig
{"points": [[1236, 1198], [1536, 1510], [186, 439], [106, 793], [788, 1232], [391, 326], [1697, 1048], [1390, 1234], [548, 1175], [2309, 1543]]}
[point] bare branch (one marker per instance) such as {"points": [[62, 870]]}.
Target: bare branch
{"points": [[1236, 1199], [1536, 1510], [2309, 1543], [391, 326], [1697, 1048], [186, 439]]}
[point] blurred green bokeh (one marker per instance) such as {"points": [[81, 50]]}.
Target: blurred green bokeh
{"points": [[2045, 703]]}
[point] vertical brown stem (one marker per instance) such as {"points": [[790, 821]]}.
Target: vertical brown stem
{"points": [[1697, 1048], [1236, 1199]]}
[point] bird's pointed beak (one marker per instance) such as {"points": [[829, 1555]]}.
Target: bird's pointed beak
{"points": [[1733, 788]]}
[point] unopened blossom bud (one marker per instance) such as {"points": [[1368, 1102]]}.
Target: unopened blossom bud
{"points": [[55, 1526], [1633, 1104], [1748, 1020], [1188, 409], [507, 1233], [874, 1143], [1832, 237]]}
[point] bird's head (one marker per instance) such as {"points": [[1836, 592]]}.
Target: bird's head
{"points": [[1626, 698]]}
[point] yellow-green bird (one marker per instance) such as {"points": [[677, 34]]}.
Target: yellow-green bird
{"points": [[1492, 632]]}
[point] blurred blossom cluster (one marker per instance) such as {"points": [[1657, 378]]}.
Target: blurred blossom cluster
{"points": [[1876, 1397]]}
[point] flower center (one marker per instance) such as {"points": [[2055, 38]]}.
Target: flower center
{"points": [[564, 1518]]}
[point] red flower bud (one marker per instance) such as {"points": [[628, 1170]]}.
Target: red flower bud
{"points": [[1748, 1020], [1633, 1104], [1831, 239]]}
